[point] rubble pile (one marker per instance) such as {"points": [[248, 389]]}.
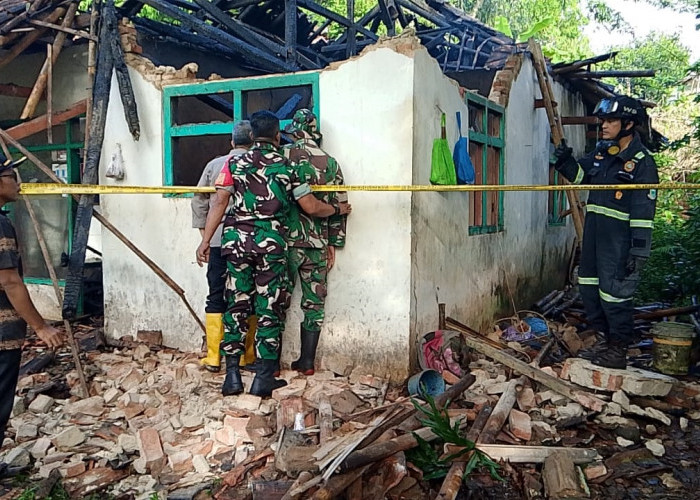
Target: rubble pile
{"points": [[556, 426]]}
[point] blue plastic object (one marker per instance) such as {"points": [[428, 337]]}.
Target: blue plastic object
{"points": [[460, 156], [537, 326], [427, 381]]}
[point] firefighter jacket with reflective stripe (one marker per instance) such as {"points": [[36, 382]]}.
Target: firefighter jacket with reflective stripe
{"points": [[634, 165]]}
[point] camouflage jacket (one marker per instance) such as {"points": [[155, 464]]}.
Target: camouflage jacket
{"points": [[263, 186], [315, 166]]}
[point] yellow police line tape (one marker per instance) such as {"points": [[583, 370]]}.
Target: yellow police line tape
{"points": [[32, 189]]}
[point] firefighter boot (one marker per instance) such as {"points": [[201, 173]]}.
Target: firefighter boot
{"points": [[215, 333], [601, 345], [264, 382], [309, 343], [615, 356], [232, 383]]}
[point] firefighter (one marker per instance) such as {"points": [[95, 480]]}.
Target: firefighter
{"points": [[618, 225]]}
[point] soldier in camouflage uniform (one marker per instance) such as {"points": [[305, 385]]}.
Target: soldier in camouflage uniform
{"points": [[312, 241], [263, 186]]}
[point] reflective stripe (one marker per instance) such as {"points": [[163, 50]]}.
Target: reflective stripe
{"points": [[609, 298], [609, 212], [641, 223], [588, 281], [579, 175], [640, 155]]}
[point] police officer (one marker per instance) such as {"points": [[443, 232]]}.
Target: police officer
{"points": [[312, 240], [262, 185], [618, 225]]}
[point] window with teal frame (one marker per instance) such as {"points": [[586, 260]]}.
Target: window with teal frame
{"points": [[558, 204], [55, 213], [198, 118], [487, 152]]}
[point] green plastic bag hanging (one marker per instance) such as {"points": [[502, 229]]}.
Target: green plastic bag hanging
{"points": [[442, 167]]}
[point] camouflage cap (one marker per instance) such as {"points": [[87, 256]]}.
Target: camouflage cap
{"points": [[303, 120]]}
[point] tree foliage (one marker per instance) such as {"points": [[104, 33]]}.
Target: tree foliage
{"points": [[661, 52]]}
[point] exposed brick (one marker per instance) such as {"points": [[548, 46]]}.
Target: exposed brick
{"points": [[151, 449], [520, 424]]}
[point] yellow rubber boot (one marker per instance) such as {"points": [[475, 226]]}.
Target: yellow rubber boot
{"points": [[248, 357], [215, 334]]}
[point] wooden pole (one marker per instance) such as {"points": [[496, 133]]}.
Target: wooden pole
{"points": [[41, 81], [338, 484], [75, 349], [555, 126], [453, 481], [49, 95], [110, 227], [500, 412]]}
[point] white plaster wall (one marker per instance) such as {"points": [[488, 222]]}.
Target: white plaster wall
{"points": [[367, 128], [135, 298], [472, 274]]}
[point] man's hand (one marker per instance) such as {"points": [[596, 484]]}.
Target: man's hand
{"points": [[202, 253], [51, 336], [635, 264], [331, 257], [345, 208], [562, 153]]}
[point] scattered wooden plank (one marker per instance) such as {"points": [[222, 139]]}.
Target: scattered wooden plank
{"points": [[501, 411], [12, 90], [338, 484], [453, 481], [614, 73], [40, 123], [479, 423], [518, 454], [561, 478], [325, 419], [582, 397]]}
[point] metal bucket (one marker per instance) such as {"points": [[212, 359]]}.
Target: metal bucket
{"points": [[672, 344]]}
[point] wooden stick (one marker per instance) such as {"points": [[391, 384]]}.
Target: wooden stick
{"points": [[555, 124], [49, 94], [63, 28], [41, 81], [521, 454], [500, 412], [110, 227], [452, 483], [544, 351], [75, 350], [29, 38], [580, 396], [479, 423], [325, 419], [304, 477], [661, 313], [338, 484]]}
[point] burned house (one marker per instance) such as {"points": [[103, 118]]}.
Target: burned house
{"points": [[379, 101]]}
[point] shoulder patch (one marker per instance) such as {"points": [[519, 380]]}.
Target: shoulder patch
{"points": [[629, 166], [652, 194]]}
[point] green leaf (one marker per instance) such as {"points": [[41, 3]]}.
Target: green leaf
{"points": [[501, 24], [535, 29]]}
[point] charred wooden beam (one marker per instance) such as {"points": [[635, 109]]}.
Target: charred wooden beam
{"points": [[387, 17], [126, 91], [64, 29], [290, 30], [93, 152], [351, 46], [580, 120], [629, 73], [320, 10], [30, 38], [255, 56], [569, 67]]}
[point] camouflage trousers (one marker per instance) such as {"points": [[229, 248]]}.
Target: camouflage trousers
{"points": [[256, 284], [311, 265]]}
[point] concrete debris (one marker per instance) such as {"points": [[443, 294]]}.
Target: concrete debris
{"points": [[155, 422]]}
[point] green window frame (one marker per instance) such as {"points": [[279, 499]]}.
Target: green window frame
{"points": [[237, 87], [72, 147], [558, 203], [487, 140]]}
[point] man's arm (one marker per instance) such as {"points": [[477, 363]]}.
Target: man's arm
{"points": [[336, 223], [316, 208], [200, 201], [567, 165], [216, 213], [17, 292], [643, 208]]}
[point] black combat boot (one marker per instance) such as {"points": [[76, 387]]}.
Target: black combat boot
{"points": [[615, 356], [264, 382], [591, 352], [232, 383], [309, 343]]}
